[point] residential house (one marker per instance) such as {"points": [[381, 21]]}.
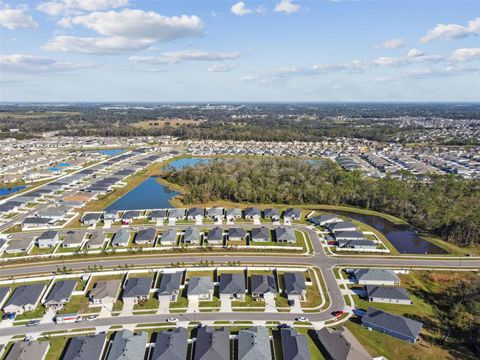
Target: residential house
{"points": [[254, 344], [191, 236], [200, 288], [137, 289], [121, 238], [48, 239], [237, 234], [260, 234], [342, 226], [36, 222], [387, 294], [25, 298], [360, 245], [169, 237], [158, 215], [292, 214], [91, 218], [394, 325], [341, 344], [349, 235], [170, 285], [146, 236], [110, 216], [284, 234], [295, 287], [171, 345], [253, 213], [271, 213], [324, 219], [4, 293], [88, 347], [96, 240], [19, 246], [294, 345], [215, 213], [375, 277], [232, 286], [263, 286], [215, 236], [196, 214], [127, 345], [176, 214], [73, 239], [28, 350], [104, 292], [60, 294], [233, 213], [212, 344], [130, 215]]}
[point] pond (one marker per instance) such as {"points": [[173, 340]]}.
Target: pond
{"points": [[11, 190], [403, 237], [188, 161], [150, 194], [109, 152]]}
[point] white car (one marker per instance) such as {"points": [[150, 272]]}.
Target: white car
{"points": [[92, 318], [302, 319], [172, 320]]}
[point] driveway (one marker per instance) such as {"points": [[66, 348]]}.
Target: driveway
{"points": [[193, 305], [226, 303], [270, 305], [106, 309], [48, 317], [127, 309], [296, 307], [163, 305]]}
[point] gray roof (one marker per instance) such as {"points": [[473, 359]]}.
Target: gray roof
{"points": [[85, 347], [147, 234], [195, 212], [170, 283], [322, 218], [103, 289], [131, 214], [199, 285], [341, 344], [375, 275], [171, 345], [61, 290], [73, 237], [160, 214], [271, 212], [169, 235], [212, 344], [92, 216], [394, 323], [342, 225], [215, 212], [294, 345], [97, 238], [357, 243], [237, 233], [294, 282], [26, 294], [4, 291], [252, 211], [176, 213], [387, 292], [139, 286], [233, 212], [232, 283], [261, 284], [122, 236], [127, 345], [357, 235], [215, 234], [292, 213], [284, 233], [254, 344], [37, 221], [28, 350], [21, 244], [47, 235], [261, 233], [191, 234]]}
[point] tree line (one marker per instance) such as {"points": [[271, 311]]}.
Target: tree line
{"points": [[447, 206]]}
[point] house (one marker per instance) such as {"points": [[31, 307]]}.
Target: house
{"points": [[215, 236], [158, 215], [262, 286], [212, 344], [91, 219], [60, 294], [127, 345], [294, 345], [73, 239], [146, 236], [25, 298], [36, 222], [96, 240], [48, 239], [110, 216], [271, 213], [284, 234], [342, 226], [130, 215], [292, 214], [4, 293], [341, 344], [324, 219], [393, 325], [3, 245], [253, 213], [349, 235], [375, 277], [232, 286], [254, 344], [88, 347], [169, 237], [387, 294], [176, 214], [237, 234], [233, 213], [171, 345], [200, 288], [137, 289], [19, 246], [104, 292], [356, 244], [121, 238], [295, 287], [215, 213], [170, 285], [191, 236], [260, 234], [196, 214], [28, 350]]}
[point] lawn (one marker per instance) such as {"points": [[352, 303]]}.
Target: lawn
{"points": [[29, 315], [151, 303], [57, 344], [249, 302], [77, 304], [37, 251]]}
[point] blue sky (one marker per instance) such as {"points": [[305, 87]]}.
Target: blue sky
{"points": [[274, 50]]}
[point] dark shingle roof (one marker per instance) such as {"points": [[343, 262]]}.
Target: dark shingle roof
{"points": [[294, 282], [232, 283], [261, 284], [85, 347], [127, 345], [294, 345], [387, 292], [395, 323], [171, 345], [254, 344], [61, 290], [137, 287], [341, 344], [212, 344], [170, 283]]}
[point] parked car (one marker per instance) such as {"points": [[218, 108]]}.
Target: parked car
{"points": [[172, 320], [302, 319], [338, 313], [91, 318], [9, 316], [33, 323], [332, 242]]}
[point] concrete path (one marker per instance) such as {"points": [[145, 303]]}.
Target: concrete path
{"points": [[127, 309], [48, 317], [193, 305], [270, 304], [296, 307], [163, 305], [225, 303]]}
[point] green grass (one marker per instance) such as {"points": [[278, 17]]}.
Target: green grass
{"points": [[37, 251], [77, 304], [57, 344], [249, 302], [35, 314], [151, 303], [316, 353]]}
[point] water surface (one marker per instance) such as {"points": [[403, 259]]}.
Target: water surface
{"points": [[188, 161], [11, 190]]}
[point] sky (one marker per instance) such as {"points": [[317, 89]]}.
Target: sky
{"points": [[272, 50]]}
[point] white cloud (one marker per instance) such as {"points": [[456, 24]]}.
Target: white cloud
{"points": [[466, 54], [391, 44], [241, 9], [13, 18], [220, 68], [186, 55], [287, 7], [413, 52], [413, 56], [62, 7], [452, 31], [36, 64], [96, 45]]}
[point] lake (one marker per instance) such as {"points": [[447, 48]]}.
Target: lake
{"points": [[11, 190], [403, 237], [109, 152], [150, 194], [188, 161]]}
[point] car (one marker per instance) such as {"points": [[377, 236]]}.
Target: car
{"points": [[172, 320], [8, 316], [28, 338], [91, 318], [33, 323], [302, 319], [332, 242], [338, 313]]}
